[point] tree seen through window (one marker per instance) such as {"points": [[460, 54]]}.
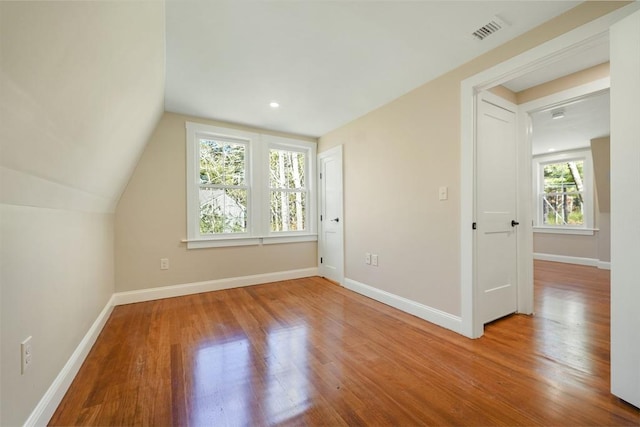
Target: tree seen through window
{"points": [[563, 196]]}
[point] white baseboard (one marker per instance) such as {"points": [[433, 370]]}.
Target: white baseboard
{"points": [[591, 262], [52, 398], [151, 294], [422, 311]]}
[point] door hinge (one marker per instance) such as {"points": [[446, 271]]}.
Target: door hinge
{"points": [[320, 260], [474, 226], [320, 217], [320, 175]]}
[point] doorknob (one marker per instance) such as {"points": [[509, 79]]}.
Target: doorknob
{"points": [[514, 223], [336, 219]]}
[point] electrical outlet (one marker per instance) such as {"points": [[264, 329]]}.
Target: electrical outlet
{"points": [[26, 355], [374, 260], [367, 258], [164, 263]]}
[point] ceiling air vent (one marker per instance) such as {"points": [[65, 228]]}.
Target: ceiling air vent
{"points": [[489, 28]]}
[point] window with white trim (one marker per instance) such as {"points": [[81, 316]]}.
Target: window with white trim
{"points": [[245, 188], [288, 193], [564, 191], [223, 190]]}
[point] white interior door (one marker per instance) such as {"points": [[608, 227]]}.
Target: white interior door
{"points": [[330, 241], [496, 202]]}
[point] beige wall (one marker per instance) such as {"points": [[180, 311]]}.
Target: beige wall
{"points": [[403, 152], [505, 93], [151, 222], [56, 275], [566, 245], [600, 151], [604, 237], [81, 88]]}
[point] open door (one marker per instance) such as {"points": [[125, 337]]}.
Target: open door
{"points": [[496, 209]]}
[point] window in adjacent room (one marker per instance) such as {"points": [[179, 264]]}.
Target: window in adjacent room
{"points": [[564, 193]]}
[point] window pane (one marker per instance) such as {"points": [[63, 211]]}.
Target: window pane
{"points": [[288, 210], [562, 209], [564, 177], [223, 210], [286, 169], [222, 162]]}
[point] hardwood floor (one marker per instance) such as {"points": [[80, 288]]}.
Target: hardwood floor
{"points": [[307, 352]]}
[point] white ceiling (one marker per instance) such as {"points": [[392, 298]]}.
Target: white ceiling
{"points": [[584, 120], [326, 63]]}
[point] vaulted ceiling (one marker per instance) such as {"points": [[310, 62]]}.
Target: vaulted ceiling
{"points": [[81, 90]]}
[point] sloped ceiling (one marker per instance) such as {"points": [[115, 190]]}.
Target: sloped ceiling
{"points": [[326, 62], [82, 88], [82, 84]]}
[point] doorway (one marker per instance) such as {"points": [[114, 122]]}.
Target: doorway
{"points": [[564, 47], [570, 175]]}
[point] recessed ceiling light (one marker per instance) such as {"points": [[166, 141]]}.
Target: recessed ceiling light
{"points": [[551, 150], [558, 114], [274, 104]]}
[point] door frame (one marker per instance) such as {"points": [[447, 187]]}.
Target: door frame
{"points": [[562, 47], [337, 152]]}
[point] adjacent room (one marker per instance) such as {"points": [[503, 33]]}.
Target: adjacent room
{"points": [[319, 213]]}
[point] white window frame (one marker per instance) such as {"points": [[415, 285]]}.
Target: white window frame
{"points": [[257, 177], [539, 163], [309, 150]]}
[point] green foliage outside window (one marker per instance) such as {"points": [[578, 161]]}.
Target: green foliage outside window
{"points": [[223, 187], [562, 200]]}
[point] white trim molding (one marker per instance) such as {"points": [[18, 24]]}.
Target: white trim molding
{"points": [[430, 314], [45, 409], [161, 292], [591, 262], [566, 230]]}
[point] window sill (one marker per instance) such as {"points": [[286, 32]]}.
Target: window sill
{"points": [[565, 230], [248, 241]]}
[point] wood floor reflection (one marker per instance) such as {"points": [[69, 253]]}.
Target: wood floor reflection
{"points": [[307, 352]]}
